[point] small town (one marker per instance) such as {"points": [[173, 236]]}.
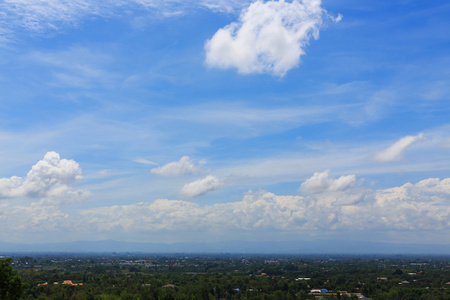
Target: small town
{"points": [[227, 276]]}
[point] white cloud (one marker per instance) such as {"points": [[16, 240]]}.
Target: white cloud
{"points": [[424, 205], [396, 150], [257, 210], [270, 37], [421, 206], [236, 114], [105, 173], [227, 6], [320, 182], [37, 217], [145, 161], [233, 119], [77, 67], [265, 210], [41, 15], [161, 214], [200, 187], [51, 178], [184, 166]]}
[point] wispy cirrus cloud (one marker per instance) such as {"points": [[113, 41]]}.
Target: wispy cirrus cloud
{"points": [[227, 6], [396, 150], [37, 15], [145, 161], [42, 15], [242, 120], [76, 67]]}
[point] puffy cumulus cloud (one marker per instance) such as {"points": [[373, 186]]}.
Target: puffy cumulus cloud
{"points": [[36, 222], [35, 218], [257, 210], [200, 187], [161, 214], [184, 166], [320, 183], [396, 150], [424, 205], [434, 186], [265, 210], [421, 206], [52, 178], [270, 37]]}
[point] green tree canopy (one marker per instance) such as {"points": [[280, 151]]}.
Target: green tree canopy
{"points": [[11, 286]]}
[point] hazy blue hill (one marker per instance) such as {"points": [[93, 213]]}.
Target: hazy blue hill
{"points": [[297, 247]]}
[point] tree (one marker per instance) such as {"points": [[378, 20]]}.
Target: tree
{"points": [[11, 286], [398, 272]]}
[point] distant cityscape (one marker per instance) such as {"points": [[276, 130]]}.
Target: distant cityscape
{"points": [[239, 276]]}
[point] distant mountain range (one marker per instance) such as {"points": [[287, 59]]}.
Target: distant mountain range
{"points": [[286, 247]]}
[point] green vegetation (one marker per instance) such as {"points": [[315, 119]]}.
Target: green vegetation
{"points": [[11, 286], [224, 277]]}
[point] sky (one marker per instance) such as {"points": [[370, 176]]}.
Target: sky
{"points": [[206, 121]]}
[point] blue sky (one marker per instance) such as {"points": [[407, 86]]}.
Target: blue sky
{"points": [[172, 121]]}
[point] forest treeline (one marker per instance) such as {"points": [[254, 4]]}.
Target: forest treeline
{"points": [[114, 276]]}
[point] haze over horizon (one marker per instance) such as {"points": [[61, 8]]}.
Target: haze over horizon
{"points": [[213, 121]]}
